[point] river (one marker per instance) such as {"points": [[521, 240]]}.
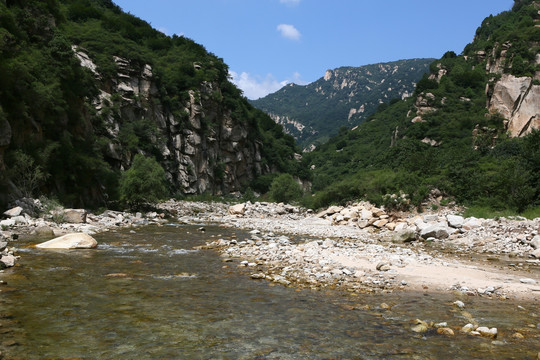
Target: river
{"points": [[146, 294]]}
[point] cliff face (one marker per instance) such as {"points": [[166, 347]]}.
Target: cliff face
{"points": [[202, 149], [517, 99]]}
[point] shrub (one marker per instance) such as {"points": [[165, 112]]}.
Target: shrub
{"points": [[285, 189], [144, 182]]}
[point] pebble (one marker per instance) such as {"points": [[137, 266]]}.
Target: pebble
{"points": [[528, 281], [460, 304]]}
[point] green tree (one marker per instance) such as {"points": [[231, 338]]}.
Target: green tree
{"points": [[144, 182], [285, 189]]}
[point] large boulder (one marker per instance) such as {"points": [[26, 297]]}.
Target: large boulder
{"points": [[70, 241], [436, 231], [75, 216], [16, 211], [455, 221], [238, 209]]}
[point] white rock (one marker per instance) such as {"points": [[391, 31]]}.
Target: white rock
{"points": [[16, 211], [487, 332], [455, 221], [238, 209], [471, 223], [435, 230], [431, 218], [70, 241], [527, 281], [8, 260], [459, 304], [535, 242]]}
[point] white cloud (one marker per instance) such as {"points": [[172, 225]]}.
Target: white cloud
{"points": [[289, 31], [255, 87], [164, 31], [290, 2]]}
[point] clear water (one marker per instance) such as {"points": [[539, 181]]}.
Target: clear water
{"points": [[149, 295]]}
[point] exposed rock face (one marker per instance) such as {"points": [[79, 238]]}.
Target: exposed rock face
{"points": [[518, 100], [204, 149]]}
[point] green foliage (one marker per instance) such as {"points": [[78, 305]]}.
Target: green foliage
{"points": [[389, 153], [25, 173], [323, 107], [144, 182], [48, 98], [285, 189]]}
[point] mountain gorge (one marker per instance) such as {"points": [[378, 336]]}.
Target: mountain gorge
{"points": [[84, 87], [343, 97]]}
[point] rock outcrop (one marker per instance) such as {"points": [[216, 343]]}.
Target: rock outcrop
{"points": [[204, 149], [517, 99]]}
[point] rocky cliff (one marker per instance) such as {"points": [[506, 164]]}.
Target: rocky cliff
{"points": [[346, 96], [202, 150], [84, 87]]}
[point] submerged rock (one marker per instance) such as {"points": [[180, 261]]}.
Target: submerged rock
{"points": [[70, 241]]}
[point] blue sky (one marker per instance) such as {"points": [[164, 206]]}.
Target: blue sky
{"points": [[268, 43]]}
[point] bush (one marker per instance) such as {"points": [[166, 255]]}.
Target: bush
{"points": [[285, 189], [144, 182]]}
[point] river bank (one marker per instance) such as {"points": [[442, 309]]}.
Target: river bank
{"points": [[474, 257], [358, 248]]}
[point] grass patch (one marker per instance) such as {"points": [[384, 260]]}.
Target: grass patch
{"points": [[485, 212]]}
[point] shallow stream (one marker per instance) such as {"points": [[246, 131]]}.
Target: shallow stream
{"points": [[148, 295]]}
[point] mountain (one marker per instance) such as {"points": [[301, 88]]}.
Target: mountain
{"points": [[84, 87], [470, 131], [343, 97]]}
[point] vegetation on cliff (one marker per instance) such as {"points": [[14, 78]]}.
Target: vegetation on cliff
{"points": [[346, 96], [444, 137], [48, 100]]}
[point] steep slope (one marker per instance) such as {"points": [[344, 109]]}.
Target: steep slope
{"points": [[343, 97], [468, 131], [85, 87]]}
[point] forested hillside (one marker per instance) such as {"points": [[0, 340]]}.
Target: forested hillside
{"points": [[469, 131], [85, 87], [343, 97]]}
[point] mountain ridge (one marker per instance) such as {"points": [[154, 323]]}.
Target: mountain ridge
{"points": [[344, 96]]}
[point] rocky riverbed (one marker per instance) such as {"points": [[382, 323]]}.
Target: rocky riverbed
{"points": [[358, 248], [361, 248]]}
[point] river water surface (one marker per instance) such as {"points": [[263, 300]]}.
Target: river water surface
{"points": [[148, 295]]}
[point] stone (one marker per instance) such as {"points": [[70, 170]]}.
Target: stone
{"points": [[420, 326], [435, 230], [431, 218], [487, 332], [7, 223], [535, 242], [75, 216], [380, 223], [16, 211], [3, 245], [404, 236], [459, 304], [455, 221], [471, 223], [8, 260], [43, 231], [238, 209], [468, 328], [536, 253], [70, 241], [366, 214], [19, 220], [445, 331], [527, 281], [383, 266]]}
